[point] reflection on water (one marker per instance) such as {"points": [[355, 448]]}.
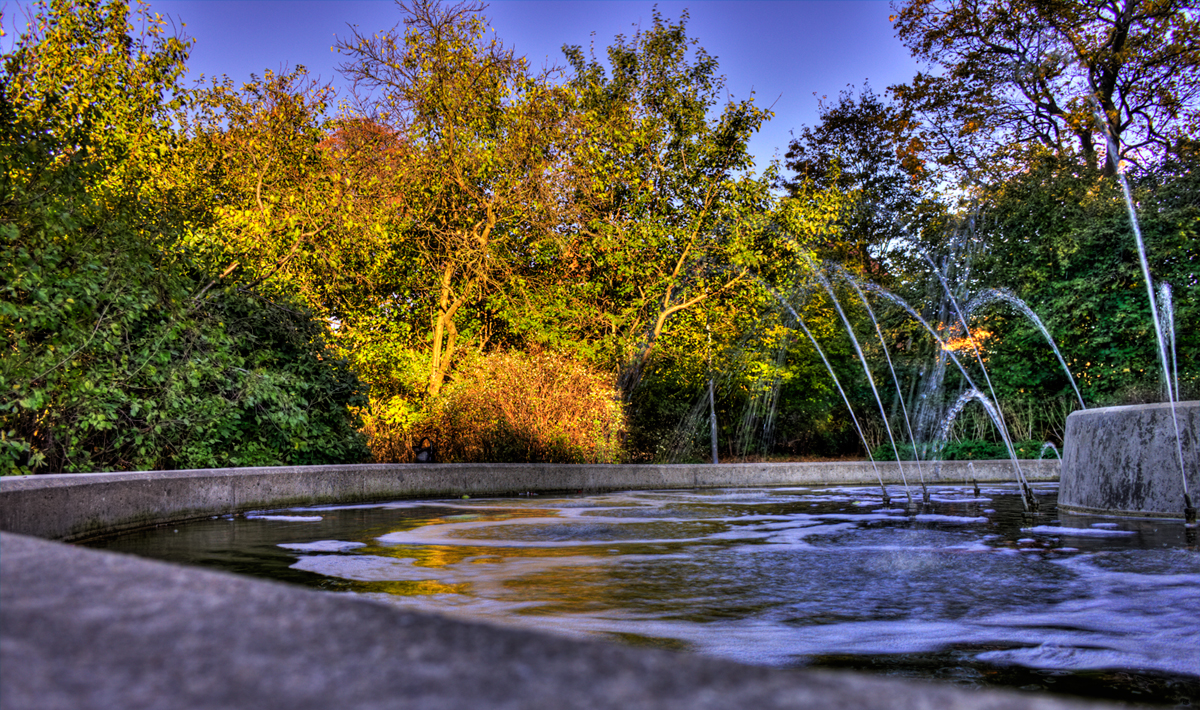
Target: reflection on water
{"points": [[968, 591]]}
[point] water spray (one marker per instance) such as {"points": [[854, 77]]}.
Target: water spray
{"points": [[1189, 510], [993, 412], [875, 288], [999, 294], [998, 417], [887, 499], [866, 370], [848, 278]]}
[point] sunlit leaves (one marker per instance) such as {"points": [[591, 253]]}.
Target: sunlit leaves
{"points": [[475, 158], [1016, 74], [113, 351]]}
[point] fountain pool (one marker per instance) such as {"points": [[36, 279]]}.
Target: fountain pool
{"points": [[968, 591]]}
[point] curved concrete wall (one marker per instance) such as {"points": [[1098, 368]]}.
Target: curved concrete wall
{"points": [[78, 506], [84, 629], [1124, 460]]}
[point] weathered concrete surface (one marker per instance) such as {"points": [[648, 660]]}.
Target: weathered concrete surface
{"points": [[85, 629], [79, 506], [1124, 460]]}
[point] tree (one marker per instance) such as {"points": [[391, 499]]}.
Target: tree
{"points": [[1023, 73], [405, 219], [1059, 238], [669, 212], [113, 352], [867, 149], [474, 163], [255, 155]]}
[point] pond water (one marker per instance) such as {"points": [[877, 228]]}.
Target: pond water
{"points": [[969, 591]]}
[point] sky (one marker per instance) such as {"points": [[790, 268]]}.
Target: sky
{"points": [[781, 51]]}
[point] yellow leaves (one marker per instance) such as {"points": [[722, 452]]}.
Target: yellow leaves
{"points": [[977, 340], [813, 212]]}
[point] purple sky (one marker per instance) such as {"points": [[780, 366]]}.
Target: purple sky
{"points": [[782, 50]]}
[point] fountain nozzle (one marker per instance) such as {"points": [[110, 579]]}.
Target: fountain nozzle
{"points": [[1189, 510], [1031, 502]]}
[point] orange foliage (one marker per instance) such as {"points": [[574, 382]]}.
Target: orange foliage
{"points": [[512, 407]]}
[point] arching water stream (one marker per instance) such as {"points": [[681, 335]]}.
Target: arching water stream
{"points": [[970, 591]]}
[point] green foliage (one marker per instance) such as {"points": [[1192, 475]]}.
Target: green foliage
{"points": [[294, 396], [669, 213], [115, 351], [1061, 238], [965, 450], [868, 149], [773, 393]]}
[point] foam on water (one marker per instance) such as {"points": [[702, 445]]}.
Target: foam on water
{"points": [[1085, 532], [954, 519], [958, 499], [315, 508], [369, 568], [323, 546]]}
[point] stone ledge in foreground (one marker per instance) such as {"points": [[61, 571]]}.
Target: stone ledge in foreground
{"points": [[94, 630]]}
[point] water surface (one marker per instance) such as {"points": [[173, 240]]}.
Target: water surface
{"points": [[967, 591]]}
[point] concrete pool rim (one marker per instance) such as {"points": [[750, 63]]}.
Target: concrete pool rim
{"points": [[75, 507], [1124, 461], [85, 628]]}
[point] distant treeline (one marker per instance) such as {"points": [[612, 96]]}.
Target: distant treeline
{"points": [[511, 264]]}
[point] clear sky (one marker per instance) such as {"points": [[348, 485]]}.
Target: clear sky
{"points": [[781, 50]]}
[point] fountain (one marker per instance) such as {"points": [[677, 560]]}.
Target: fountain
{"points": [[805, 573], [1135, 460], [975, 587], [1125, 460], [944, 353], [968, 591], [1140, 460]]}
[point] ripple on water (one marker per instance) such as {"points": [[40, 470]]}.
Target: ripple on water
{"points": [[784, 577]]}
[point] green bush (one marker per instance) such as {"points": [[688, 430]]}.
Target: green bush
{"points": [[115, 366], [117, 351], [964, 450]]}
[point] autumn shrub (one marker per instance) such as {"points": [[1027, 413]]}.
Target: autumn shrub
{"points": [[389, 440], [514, 407]]}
